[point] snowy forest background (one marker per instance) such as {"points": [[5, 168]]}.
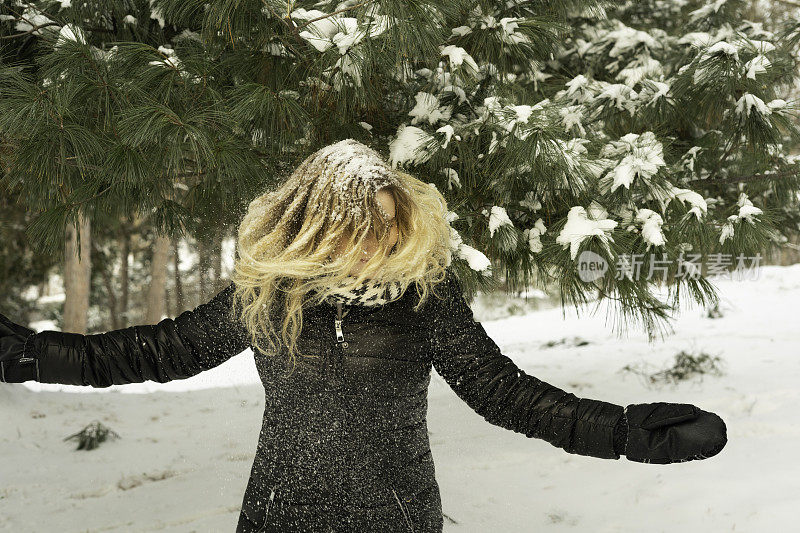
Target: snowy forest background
{"points": [[137, 131]]}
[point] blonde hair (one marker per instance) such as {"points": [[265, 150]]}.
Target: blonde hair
{"points": [[287, 236]]}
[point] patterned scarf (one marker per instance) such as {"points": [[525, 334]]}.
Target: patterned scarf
{"points": [[369, 293]]}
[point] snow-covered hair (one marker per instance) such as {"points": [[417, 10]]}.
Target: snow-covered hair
{"points": [[287, 236]]}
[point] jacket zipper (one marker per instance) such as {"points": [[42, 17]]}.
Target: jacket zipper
{"points": [[338, 323]]}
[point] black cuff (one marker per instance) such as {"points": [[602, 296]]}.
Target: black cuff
{"points": [[19, 370], [25, 368]]}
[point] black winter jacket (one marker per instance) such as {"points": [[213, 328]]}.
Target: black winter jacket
{"points": [[344, 444]]}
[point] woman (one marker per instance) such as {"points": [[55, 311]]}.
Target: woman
{"points": [[329, 256]]}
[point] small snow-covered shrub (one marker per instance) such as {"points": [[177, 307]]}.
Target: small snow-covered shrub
{"points": [[686, 367]]}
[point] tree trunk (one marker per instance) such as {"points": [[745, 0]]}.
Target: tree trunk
{"points": [[156, 308], [44, 288], [180, 299], [77, 274], [111, 295], [124, 277]]}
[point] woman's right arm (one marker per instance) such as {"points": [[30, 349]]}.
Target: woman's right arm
{"points": [[502, 393], [179, 348]]}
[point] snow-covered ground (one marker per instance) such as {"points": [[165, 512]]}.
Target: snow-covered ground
{"points": [[186, 447]]}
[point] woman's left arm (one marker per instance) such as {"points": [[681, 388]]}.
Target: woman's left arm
{"points": [[494, 387]]}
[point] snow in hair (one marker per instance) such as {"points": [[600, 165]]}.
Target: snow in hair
{"points": [[349, 161], [355, 173], [342, 177]]}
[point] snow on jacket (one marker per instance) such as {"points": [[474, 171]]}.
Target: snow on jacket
{"points": [[344, 444]]}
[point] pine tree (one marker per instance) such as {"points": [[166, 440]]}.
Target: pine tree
{"points": [[554, 129]]}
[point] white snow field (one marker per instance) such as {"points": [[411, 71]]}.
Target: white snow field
{"points": [[186, 447]]}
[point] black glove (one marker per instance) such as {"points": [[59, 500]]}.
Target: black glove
{"points": [[14, 366], [664, 433]]}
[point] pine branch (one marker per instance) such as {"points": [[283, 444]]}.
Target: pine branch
{"points": [[331, 14], [73, 204], [734, 144], [285, 20], [292, 28], [86, 166], [640, 305], [742, 179], [33, 29]]}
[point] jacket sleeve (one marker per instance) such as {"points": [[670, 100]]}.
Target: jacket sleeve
{"points": [[494, 387], [193, 342]]}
